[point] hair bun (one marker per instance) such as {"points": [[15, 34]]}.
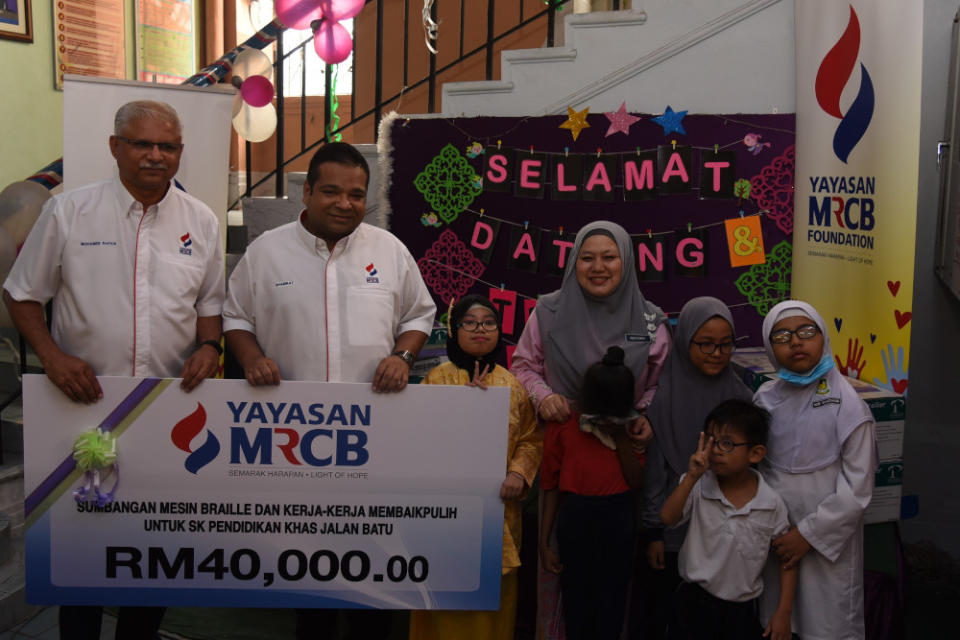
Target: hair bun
{"points": [[614, 357]]}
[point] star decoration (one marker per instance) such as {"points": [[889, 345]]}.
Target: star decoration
{"points": [[671, 121], [620, 121], [576, 121]]}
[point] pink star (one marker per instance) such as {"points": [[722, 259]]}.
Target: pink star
{"points": [[620, 121]]}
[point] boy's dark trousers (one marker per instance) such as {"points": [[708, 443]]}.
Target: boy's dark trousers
{"points": [[699, 615]]}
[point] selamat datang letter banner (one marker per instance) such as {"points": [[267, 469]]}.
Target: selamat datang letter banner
{"points": [[302, 495], [855, 206]]}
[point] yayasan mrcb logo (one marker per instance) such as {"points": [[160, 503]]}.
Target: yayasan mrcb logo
{"points": [[289, 434], [834, 73], [185, 431]]}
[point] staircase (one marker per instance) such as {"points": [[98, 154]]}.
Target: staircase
{"points": [[13, 605], [648, 59]]}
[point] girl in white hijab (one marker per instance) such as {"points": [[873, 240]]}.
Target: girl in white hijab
{"points": [[821, 459]]}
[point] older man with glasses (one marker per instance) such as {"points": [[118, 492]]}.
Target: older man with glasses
{"points": [[134, 267]]}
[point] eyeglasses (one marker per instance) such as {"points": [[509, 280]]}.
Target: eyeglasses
{"points": [[727, 446], [473, 325], [709, 347], [783, 336], [147, 146]]}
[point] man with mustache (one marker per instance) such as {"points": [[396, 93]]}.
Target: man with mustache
{"points": [[134, 266]]}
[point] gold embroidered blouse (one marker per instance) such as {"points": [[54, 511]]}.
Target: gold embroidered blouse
{"points": [[524, 444]]}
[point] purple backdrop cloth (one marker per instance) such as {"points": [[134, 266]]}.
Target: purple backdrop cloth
{"points": [[416, 142]]}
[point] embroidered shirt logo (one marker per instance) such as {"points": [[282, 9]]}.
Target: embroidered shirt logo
{"points": [[185, 244], [822, 388], [372, 274]]}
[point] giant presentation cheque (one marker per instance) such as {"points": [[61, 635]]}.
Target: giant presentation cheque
{"points": [[302, 495]]}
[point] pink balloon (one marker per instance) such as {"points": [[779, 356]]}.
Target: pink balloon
{"points": [[338, 10], [298, 14], [332, 42], [257, 91]]}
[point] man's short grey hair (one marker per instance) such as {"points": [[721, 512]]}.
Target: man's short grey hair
{"points": [[144, 110]]}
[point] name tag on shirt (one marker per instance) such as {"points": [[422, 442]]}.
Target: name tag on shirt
{"points": [[637, 337]]}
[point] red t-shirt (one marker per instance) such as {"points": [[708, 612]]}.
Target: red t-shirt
{"points": [[578, 462]]}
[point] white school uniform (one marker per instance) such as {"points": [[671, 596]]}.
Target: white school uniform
{"points": [[726, 547], [821, 459]]}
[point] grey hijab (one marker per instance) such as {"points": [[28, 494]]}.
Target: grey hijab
{"points": [[685, 395], [577, 328]]}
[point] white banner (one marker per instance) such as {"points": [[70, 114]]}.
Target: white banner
{"points": [[90, 104], [301, 495]]}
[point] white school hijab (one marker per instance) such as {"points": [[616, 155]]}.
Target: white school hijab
{"points": [[808, 423]]}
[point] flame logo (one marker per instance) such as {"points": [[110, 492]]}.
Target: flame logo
{"points": [[832, 77], [185, 431]]}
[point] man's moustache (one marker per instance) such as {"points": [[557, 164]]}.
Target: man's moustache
{"points": [[153, 166]]}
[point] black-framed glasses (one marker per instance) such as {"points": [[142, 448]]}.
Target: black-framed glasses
{"points": [[707, 347], [473, 325], [783, 336], [147, 146], [727, 446]]}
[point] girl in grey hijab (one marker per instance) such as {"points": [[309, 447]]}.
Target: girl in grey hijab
{"points": [[692, 383]]}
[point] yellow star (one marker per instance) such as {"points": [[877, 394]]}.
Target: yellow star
{"points": [[576, 121]]}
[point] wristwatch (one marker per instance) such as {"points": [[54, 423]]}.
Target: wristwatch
{"points": [[212, 343], [404, 355]]}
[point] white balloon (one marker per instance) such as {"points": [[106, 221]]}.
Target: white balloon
{"points": [[253, 62], [20, 204], [237, 105], [255, 124]]}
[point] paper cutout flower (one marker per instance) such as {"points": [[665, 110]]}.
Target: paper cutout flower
{"points": [[447, 183], [449, 267], [773, 190], [475, 150], [764, 285], [430, 220]]}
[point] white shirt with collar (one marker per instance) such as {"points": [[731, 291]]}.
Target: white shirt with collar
{"points": [[127, 285], [726, 548], [322, 315]]}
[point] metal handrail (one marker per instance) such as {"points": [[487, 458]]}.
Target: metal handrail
{"points": [[376, 112]]}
